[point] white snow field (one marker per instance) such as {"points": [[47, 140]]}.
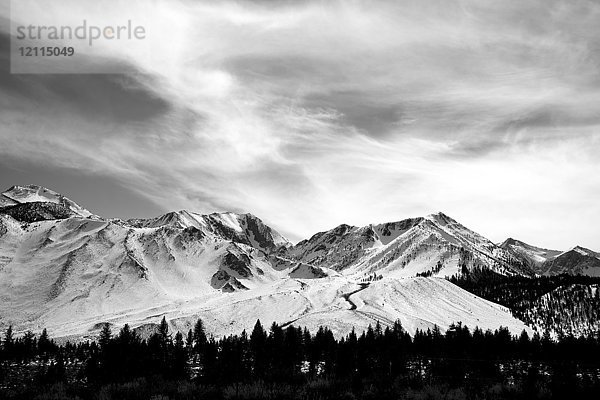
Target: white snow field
{"points": [[71, 275]]}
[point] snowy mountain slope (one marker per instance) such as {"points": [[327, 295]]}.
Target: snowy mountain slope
{"points": [[578, 260], [71, 273], [419, 303], [416, 302], [37, 194], [81, 268], [436, 243]]}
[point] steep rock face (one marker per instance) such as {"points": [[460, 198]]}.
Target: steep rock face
{"points": [[225, 282], [238, 263], [262, 236], [305, 271]]}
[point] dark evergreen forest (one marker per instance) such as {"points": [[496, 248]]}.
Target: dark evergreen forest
{"points": [[564, 304], [293, 363]]}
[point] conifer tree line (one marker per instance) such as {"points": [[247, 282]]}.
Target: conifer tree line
{"points": [[563, 304], [294, 355]]}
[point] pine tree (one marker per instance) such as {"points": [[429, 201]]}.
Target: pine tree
{"points": [[524, 343], [378, 330], [199, 336], [29, 345], [189, 341], [125, 336], [258, 342], [8, 343], [275, 344], [163, 333], [179, 357], [105, 336], [45, 345]]}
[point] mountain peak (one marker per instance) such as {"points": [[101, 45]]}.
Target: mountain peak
{"points": [[440, 218], [585, 252], [515, 242], [511, 240], [18, 194]]}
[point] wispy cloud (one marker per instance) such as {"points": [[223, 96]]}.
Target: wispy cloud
{"points": [[311, 114]]}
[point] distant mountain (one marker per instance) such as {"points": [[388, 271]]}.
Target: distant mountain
{"points": [[533, 256], [553, 262], [575, 261], [586, 252], [436, 243]]}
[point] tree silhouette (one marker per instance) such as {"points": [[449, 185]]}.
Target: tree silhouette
{"points": [[258, 343]]}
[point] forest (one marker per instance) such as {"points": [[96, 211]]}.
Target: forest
{"points": [[563, 304], [293, 363]]}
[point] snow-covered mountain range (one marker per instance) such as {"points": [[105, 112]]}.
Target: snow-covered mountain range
{"points": [[68, 270]]}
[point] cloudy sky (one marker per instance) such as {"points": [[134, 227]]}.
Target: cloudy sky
{"points": [[314, 113]]}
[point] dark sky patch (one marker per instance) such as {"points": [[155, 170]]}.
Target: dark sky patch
{"points": [[100, 97]]}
